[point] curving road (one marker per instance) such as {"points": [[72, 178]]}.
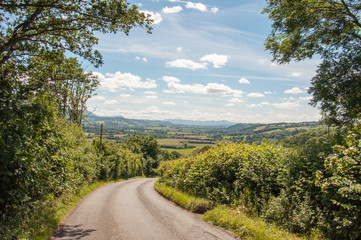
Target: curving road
{"points": [[133, 210]]}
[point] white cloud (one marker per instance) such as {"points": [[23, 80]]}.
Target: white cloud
{"points": [[179, 49], [295, 74], [125, 95], [156, 17], [96, 97], [175, 9], [144, 59], [258, 105], [236, 100], [150, 92], [287, 105], [185, 63], [111, 102], [175, 86], [243, 81], [214, 10], [169, 103], [217, 60], [216, 88], [256, 95], [198, 6], [170, 79], [267, 92], [151, 97], [262, 60], [305, 98], [294, 90], [153, 112], [117, 81]]}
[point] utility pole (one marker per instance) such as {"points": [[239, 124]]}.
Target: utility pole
{"points": [[101, 135]]}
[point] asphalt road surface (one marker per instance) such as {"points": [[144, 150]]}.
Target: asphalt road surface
{"points": [[133, 210]]}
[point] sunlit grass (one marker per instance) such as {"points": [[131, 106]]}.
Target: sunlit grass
{"points": [[193, 204], [234, 220], [244, 226]]}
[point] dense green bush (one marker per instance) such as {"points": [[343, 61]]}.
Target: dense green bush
{"points": [[340, 189], [148, 148], [116, 161], [230, 173], [311, 186], [44, 157]]}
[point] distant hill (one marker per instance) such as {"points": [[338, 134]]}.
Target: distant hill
{"points": [[252, 128], [212, 124], [119, 121], [246, 128]]}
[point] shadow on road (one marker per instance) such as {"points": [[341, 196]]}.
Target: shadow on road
{"points": [[72, 232]]}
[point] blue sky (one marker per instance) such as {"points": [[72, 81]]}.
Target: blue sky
{"points": [[205, 60]]}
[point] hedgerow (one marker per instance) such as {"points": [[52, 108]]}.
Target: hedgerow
{"points": [[312, 188], [230, 173]]}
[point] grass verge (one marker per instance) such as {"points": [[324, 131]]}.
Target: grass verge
{"points": [[47, 220], [226, 217], [39, 221], [245, 227], [193, 204]]}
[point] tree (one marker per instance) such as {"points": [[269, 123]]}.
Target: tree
{"points": [[30, 26], [66, 80], [337, 86], [34, 35], [340, 189], [148, 147], [332, 30]]}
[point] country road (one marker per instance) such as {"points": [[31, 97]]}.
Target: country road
{"points": [[133, 210]]}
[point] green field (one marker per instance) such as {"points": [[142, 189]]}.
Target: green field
{"points": [[181, 151]]}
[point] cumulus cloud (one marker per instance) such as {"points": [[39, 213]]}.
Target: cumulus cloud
{"points": [[125, 95], [217, 60], [262, 60], [175, 86], [111, 102], [175, 9], [179, 49], [255, 95], [214, 10], [144, 59], [151, 97], [198, 6], [150, 92], [236, 100], [169, 103], [267, 92], [258, 105], [185, 63], [216, 88], [295, 74], [156, 17], [243, 81], [153, 112], [96, 97], [118, 81], [305, 98], [287, 105], [294, 90], [170, 79]]}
